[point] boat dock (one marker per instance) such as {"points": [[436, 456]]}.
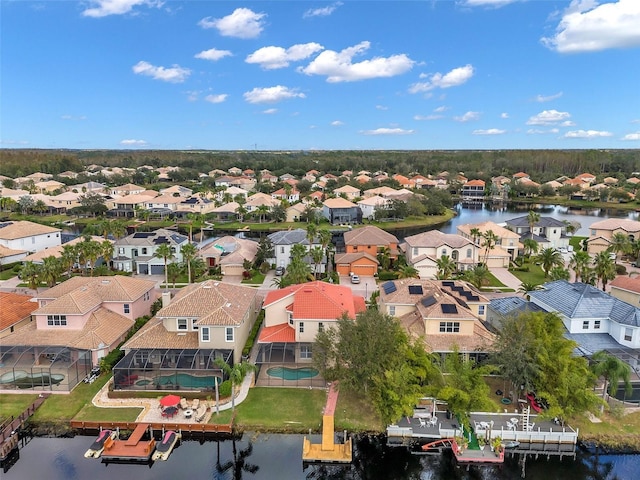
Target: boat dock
{"points": [[328, 451], [9, 428], [183, 427], [134, 449]]}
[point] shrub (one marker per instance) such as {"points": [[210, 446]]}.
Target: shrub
{"points": [[386, 275], [254, 332], [621, 269], [224, 390]]}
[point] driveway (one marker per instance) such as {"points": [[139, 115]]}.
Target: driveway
{"points": [[365, 288], [506, 277]]}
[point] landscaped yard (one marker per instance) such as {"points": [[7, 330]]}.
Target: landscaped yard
{"points": [[534, 276]]}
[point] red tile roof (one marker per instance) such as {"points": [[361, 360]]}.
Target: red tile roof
{"points": [[14, 307], [278, 333], [626, 283]]}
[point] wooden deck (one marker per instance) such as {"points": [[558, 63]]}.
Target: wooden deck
{"points": [[132, 449], [182, 427]]}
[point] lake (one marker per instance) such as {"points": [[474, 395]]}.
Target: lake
{"points": [[278, 457]]}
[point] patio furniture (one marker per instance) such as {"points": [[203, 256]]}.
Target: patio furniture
{"points": [[422, 422], [184, 405], [188, 413], [434, 421]]}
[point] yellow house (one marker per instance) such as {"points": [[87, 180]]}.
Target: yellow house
{"points": [[601, 233]]}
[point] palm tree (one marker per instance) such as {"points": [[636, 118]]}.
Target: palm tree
{"points": [[604, 267], [30, 274], [549, 258], [91, 250], [174, 270], [106, 252], [262, 211], [620, 244], [446, 267], [312, 233], [69, 257], [408, 271], [527, 287], [559, 273], [612, 369], [50, 271], [241, 211], [475, 234], [580, 262], [165, 252], [384, 257], [532, 219], [118, 228], [490, 240], [477, 276], [316, 254], [189, 252], [236, 374], [530, 246]]}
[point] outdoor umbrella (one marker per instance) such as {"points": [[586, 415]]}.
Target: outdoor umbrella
{"points": [[170, 400]]}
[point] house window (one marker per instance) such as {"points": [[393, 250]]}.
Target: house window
{"points": [[415, 251], [204, 334], [392, 310], [120, 251], [628, 334], [144, 250], [281, 249], [229, 334], [182, 324], [469, 253], [444, 252], [585, 325], [480, 309], [593, 233], [301, 327], [454, 255], [449, 327], [127, 308], [290, 315], [596, 324], [57, 320], [321, 327], [194, 324], [305, 352]]}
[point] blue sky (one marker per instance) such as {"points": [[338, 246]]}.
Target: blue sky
{"points": [[291, 75]]}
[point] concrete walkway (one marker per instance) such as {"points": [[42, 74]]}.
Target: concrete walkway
{"points": [[506, 277]]}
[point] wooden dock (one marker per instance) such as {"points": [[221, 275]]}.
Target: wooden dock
{"points": [[134, 449], [10, 427], [328, 451], [161, 426]]}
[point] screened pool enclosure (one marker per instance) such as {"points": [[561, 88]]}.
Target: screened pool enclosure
{"points": [[170, 369]]}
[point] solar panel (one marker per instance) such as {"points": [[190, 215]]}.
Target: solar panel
{"points": [[447, 283], [428, 301], [449, 308], [389, 287], [143, 235], [457, 288], [415, 289], [160, 240], [473, 298]]}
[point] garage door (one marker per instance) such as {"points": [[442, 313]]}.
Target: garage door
{"points": [[157, 269], [364, 270], [143, 268]]}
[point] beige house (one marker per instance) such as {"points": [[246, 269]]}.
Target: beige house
{"points": [[444, 314], [347, 191], [626, 289], [423, 250], [203, 316], [507, 245], [601, 233], [229, 253]]}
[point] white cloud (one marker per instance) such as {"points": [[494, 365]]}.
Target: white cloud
{"points": [[486, 3], [454, 78], [271, 94], [636, 120], [547, 98], [548, 117], [270, 111], [588, 27], [427, 117], [74, 117], [322, 12], [537, 131], [382, 107], [104, 8], [134, 143], [242, 23], [270, 58], [632, 136], [213, 54], [468, 117], [490, 131], [387, 131], [441, 109], [568, 123], [174, 74], [587, 134], [219, 98], [504, 115], [338, 66], [337, 123]]}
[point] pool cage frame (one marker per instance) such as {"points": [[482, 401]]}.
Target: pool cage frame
{"points": [[152, 368], [24, 367], [284, 354]]}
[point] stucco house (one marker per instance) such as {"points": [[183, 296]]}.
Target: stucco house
{"points": [[76, 324], [370, 205], [347, 191], [444, 314], [9, 255], [229, 253], [202, 323], [339, 210], [601, 233], [548, 232], [507, 245], [284, 240], [135, 253], [626, 289], [473, 190], [15, 309], [29, 236], [362, 246], [294, 315], [423, 250]]}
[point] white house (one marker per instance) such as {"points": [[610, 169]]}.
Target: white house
{"points": [[283, 242], [136, 253], [29, 236]]}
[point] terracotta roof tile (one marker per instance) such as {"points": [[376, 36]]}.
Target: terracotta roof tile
{"points": [[14, 307], [626, 283], [369, 235], [277, 334], [23, 228]]}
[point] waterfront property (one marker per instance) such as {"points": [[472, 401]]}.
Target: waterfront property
{"points": [[230, 254], [136, 252], [601, 233], [548, 232], [28, 236]]}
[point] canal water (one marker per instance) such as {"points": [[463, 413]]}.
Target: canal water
{"points": [[278, 457]]}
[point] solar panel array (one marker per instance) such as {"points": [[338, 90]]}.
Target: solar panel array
{"points": [[389, 287], [428, 301], [449, 308], [143, 234], [448, 283], [415, 289]]}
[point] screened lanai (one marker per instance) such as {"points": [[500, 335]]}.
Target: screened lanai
{"points": [[170, 369], [40, 368], [287, 364]]}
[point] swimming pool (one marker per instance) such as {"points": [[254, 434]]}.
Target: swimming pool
{"points": [[23, 379], [183, 380], [287, 373]]}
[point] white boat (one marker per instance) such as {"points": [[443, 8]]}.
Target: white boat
{"points": [[97, 447], [165, 447]]}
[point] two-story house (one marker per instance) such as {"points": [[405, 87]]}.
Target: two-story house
{"points": [[370, 205], [548, 232], [347, 191], [137, 252], [284, 241], [444, 314], [473, 190], [340, 210], [204, 322], [362, 246], [424, 249], [601, 233], [506, 247], [76, 324], [293, 316], [28, 236]]}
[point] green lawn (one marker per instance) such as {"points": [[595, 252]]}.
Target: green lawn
{"points": [[535, 275], [14, 405], [576, 243], [257, 279], [7, 274]]}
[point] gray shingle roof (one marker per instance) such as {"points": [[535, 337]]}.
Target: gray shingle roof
{"points": [[512, 305], [289, 237], [579, 300], [543, 222]]}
